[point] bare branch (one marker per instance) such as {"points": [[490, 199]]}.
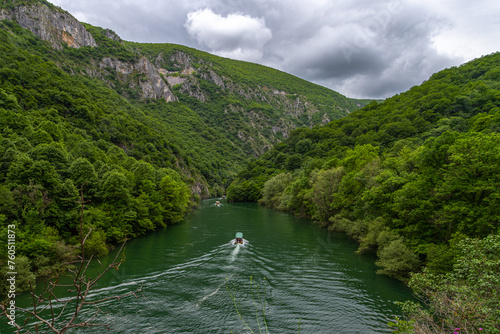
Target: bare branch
{"points": [[80, 287]]}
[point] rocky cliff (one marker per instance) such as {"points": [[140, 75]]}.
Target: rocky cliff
{"points": [[141, 73], [61, 29], [254, 106], [56, 26]]}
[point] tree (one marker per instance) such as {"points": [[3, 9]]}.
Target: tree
{"points": [[82, 171], [115, 189], [51, 313], [273, 189], [324, 192], [469, 186], [464, 300], [174, 198], [396, 259]]}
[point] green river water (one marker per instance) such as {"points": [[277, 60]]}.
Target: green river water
{"points": [[304, 274]]}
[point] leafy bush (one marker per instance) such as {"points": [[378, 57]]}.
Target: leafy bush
{"points": [[463, 300]]}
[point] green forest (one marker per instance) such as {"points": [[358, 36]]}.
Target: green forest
{"points": [[421, 167], [72, 127], [413, 179], [60, 133]]}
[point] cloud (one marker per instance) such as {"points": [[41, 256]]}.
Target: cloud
{"points": [[360, 48], [369, 52], [235, 35], [468, 35]]}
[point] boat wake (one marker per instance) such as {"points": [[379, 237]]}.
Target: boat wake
{"points": [[235, 252], [213, 293]]}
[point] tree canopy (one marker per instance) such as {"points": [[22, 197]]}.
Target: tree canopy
{"points": [[407, 178]]}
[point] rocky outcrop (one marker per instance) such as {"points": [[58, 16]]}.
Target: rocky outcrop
{"points": [[154, 87], [291, 104], [56, 26], [192, 88], [172, 80], [112, 35], [211, 76], [59, 28], [142, 73], [182, 59]]}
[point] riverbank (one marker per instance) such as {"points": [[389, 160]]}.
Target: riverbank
{"points": [[308, 274]]}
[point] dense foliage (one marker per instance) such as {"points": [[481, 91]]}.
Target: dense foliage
{"points": [[465, 300], [59, 133], [68, 123], [408, 178]]}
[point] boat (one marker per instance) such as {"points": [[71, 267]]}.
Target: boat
{"points": [[239, 238], [217, 203]]}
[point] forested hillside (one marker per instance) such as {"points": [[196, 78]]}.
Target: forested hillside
{"points": [[414, 179], [146, 129], [408, 177], [141, 132]]}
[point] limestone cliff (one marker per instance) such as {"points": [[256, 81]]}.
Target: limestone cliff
{"points": [[60, 28], [292, 105], [150, 82], [53, 25]]}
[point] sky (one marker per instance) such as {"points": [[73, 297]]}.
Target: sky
{"points": [[360, 48]]}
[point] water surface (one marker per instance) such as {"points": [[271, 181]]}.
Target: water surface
{"points": [[303, 274]]}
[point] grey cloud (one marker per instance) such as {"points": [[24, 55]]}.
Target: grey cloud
{"points": [[237, 35], [387, 50], [361, 48]]}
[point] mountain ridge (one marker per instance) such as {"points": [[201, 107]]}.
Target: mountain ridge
{"points": [[151, 71], [143, 130]]}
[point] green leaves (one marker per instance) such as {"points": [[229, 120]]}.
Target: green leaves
{"points": [[174, 196], [273, 190], [115, 189], [470, 184], [83, 172], [465, 298], [396, 259]]}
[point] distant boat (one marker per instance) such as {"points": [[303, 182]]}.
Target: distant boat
{"points": [[217, 203], [239, 238]]}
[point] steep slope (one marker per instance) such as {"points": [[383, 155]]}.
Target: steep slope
{"points": [[249, 106], [408, 177], [147, 130]]}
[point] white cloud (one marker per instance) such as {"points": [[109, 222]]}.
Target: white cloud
{"points": [[236, 35]]}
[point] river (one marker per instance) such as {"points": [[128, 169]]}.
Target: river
{"points": [[301, 272]]}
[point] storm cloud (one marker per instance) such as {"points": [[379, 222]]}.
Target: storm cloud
{"points": [[234, 36], [360, 48]]}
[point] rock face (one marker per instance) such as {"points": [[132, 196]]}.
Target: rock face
{"points": [[151, 83], [55, 26], [61, 28], [154, 87], [271, 117]]}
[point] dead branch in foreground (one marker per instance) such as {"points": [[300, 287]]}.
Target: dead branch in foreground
{"points": [[50, 313]]}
